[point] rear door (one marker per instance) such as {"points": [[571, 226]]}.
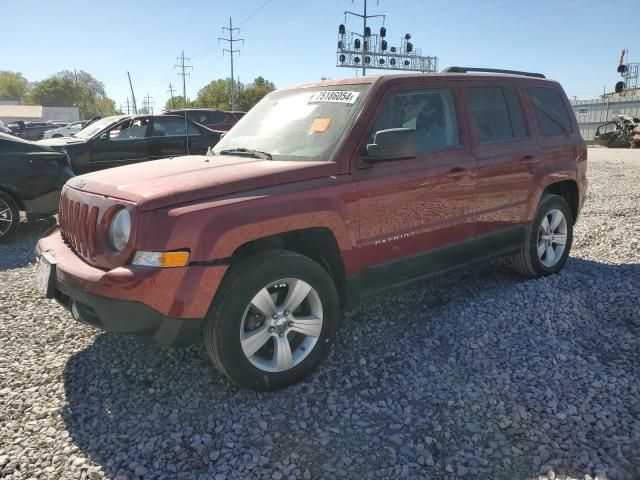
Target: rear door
{"points": [[167, 137], [556, 135], [414, 206], [508, 157]]}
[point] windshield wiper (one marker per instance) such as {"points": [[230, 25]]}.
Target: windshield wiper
{"points": [[246, 151]]}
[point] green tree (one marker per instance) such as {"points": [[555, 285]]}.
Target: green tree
{"points": [[68, 89], [13, 86], [53, 92], [216, 94], [253, 93], [178, 102]]}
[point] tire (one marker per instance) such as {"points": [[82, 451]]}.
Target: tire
{"points": [[529, 261], [233, 320], [9, 216]]}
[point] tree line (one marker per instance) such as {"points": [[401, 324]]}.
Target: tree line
{"points": [[217, 94], [64, 89], [80, 89]]}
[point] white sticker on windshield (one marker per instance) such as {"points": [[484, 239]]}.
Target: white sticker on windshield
{"points": [[334, 96]]}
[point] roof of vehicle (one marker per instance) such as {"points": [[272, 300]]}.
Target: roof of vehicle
{"points": [[371, 79], [202, 109]]}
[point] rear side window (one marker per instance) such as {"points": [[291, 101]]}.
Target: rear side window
{"points": [[497, 113], [431, 112], [551, 114], [216, 117], [198, 117]]}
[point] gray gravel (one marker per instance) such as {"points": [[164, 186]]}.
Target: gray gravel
{"points": [[477, 374]]}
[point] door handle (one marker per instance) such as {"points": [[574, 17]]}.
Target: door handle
{"points": [[529, 159], [456, 172]]}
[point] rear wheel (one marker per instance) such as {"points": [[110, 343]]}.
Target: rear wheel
{"points": [[273, 320], [9, 216], [547, 244]]}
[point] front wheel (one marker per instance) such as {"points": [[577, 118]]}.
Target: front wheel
{"points": [[547, 244], [9, 216], [273, 320]]}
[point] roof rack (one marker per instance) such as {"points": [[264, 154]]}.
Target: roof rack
{"points": [[490, 70]]}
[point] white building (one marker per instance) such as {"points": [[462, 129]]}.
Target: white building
{"points": [[38, 113]]}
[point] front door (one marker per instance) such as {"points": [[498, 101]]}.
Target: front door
{"points": [[122, 144], [412, 209]]}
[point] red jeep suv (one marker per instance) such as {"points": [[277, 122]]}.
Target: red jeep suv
{"points": [[322, 194]]}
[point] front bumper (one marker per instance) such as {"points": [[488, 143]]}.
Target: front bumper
{"points": [[162, 305]]}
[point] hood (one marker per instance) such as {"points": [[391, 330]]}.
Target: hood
{"points": [[60, 141], [171, 181]]}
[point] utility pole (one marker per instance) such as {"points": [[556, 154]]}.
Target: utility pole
{"points": [[133, 96], [148, 104], [171, 93], [231, 51], [128, 110], [183, 67]]}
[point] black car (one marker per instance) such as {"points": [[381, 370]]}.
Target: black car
{"points": [[30, 130], [31, 177], [120, 140], [212, 118]]}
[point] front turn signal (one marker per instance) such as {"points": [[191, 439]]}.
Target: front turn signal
{"points": [[161, 259]]}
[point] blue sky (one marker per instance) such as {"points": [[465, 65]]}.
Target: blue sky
{"points": [[577, 42]]}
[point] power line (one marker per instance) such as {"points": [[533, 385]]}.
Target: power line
{"points": [[148, 104], [183, 67], [231, 51], [255, 12], [128, 107], [171, 93]]}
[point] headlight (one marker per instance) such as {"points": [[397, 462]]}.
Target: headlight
{"points": [[120, 229]]}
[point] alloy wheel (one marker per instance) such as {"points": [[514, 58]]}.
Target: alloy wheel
{"points": [[281, 325], [6, 218], [552, 238]]}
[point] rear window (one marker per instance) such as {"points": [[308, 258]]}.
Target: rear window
{"points": [[551, 114], [497, 113]]}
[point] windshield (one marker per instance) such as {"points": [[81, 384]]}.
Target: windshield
{"points": [[304, 124], [97, 127]]}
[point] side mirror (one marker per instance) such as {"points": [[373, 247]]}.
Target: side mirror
{"points": [[392, 144], [105, 136]]}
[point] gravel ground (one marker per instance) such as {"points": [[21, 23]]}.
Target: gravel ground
{"points": [[477, 374]]}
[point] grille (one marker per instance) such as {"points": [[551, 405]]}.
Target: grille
{"points": [[78, 222]]}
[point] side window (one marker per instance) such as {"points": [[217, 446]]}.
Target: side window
{"points": [[168, 127], [497, 113], [430, 112], [551, 113], [130, 129], [216, 116]]}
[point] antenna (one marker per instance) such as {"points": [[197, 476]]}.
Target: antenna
{"points": [[133, 96], [231, 51], [183, 67], [372, 50]]}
